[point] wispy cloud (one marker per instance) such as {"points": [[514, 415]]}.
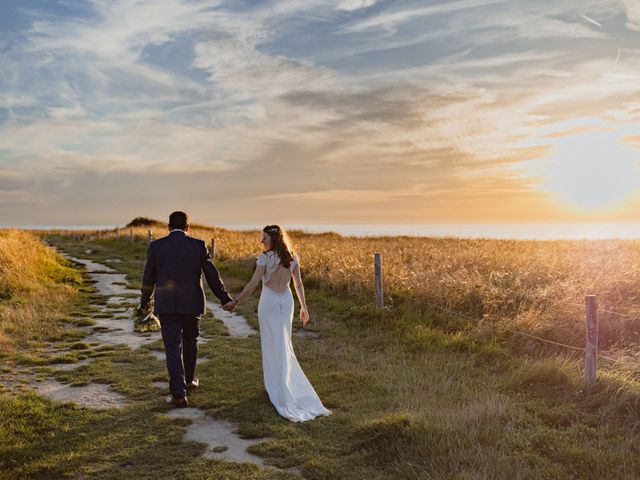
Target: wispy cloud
{"points": [[632, 10], [392, 19], [590, 20], [426, 98], [350, 5]]}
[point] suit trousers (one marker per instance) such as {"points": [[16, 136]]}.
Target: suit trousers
{"points": [[180, 337]]}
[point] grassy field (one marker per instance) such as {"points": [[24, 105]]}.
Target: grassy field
{"points": [[533, 286], [416, 393]]}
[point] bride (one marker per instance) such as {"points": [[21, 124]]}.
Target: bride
{"points": [[288, 388]]}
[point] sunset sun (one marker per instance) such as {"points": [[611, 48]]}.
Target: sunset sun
{"points": [[594, 171]]}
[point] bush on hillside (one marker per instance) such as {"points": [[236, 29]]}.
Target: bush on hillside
{"points": [[145, 222]]}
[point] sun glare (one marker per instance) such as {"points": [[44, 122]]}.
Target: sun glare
{"points": [[593, 171]]}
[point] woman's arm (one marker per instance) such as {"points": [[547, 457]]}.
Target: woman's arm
{"points": [[297, 283], [253, 283]]}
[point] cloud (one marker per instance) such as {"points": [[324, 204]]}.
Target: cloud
{"points": [[236, 65], [389, 20], [632, 10], [61, 113], [121, 29], [358, 98], [12, 181], [590, 20], [350, 5]]}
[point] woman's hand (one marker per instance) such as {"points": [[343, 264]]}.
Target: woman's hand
{"points": [[230, 306], [304, 316]]}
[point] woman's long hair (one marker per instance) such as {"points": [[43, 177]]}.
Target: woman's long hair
{"points": [[280, 244]]}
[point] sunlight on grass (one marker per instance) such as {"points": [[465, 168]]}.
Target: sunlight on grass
{"points": [[533, 286], [415, 393], [35, 285]]}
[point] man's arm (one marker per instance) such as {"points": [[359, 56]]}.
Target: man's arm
{"points": [[148, 279], [213, 277]]}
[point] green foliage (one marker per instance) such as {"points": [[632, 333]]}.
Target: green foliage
{"points": [[388, 440], [549, 377], [145, 222]]}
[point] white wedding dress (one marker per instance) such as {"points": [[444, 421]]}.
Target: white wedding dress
{"points": [[289, 389]]}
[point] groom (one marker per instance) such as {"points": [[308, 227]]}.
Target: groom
{"points": [[173, 269]]}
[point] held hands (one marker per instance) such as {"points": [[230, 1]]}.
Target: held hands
{"points": [[230, 306], [304, 316]]}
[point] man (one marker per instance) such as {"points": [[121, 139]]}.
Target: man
{"points": [[174, 267]]}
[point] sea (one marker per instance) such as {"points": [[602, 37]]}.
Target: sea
{"points": [[518, 231]]}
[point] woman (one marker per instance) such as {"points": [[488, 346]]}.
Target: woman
{"points": [[285, 382]]}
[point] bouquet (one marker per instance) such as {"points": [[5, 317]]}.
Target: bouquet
{"points": [[144, 320]]}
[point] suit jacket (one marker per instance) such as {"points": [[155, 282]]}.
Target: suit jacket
{"points": [[174, 267]]}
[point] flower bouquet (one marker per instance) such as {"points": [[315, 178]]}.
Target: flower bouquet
{"points": [[144, 320]]}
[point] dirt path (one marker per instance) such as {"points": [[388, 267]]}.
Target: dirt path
{"points": [[112, 326]]}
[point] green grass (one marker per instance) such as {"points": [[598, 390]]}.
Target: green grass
{"points": [[411, 400]]}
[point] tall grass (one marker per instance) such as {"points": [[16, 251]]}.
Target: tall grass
{"points": [[35, 287], [411, 401], [493, 285]]}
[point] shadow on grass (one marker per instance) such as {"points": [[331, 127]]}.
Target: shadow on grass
{"points": [[134, 443]]}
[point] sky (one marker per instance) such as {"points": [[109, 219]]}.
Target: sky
{"points": [[319, 111]]}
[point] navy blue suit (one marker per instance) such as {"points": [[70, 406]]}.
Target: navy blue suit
{"points": [[174, 269]]}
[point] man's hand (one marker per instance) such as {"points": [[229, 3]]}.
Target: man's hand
{"points": [[144, 309], [230, 306]]}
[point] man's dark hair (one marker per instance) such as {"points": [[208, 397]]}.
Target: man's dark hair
{"points": [[178, 220]]}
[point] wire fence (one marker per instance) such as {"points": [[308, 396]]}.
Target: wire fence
{"points": [[536, 337]]}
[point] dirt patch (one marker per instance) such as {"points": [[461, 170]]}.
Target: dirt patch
{"points": [[218, 435], [94, 395], [236, 324]]}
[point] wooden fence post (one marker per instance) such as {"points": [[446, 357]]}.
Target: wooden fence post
{"points": [[117, 232], [149, 237], [377, 261], [212, 250], [131, 235], [591, 354]]}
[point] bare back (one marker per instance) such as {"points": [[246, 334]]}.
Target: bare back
{"points": [[276, 277]]}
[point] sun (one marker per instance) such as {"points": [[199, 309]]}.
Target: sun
{"points": [[593, 171]]}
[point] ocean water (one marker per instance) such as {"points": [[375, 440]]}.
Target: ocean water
{"points": [[522, 231]]}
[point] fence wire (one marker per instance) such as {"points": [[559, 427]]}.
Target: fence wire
{"points": [[524, 334]]}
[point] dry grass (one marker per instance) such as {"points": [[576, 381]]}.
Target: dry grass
{"points": [[411, 401], [492, 286], [532, 286], [35, 287]]}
